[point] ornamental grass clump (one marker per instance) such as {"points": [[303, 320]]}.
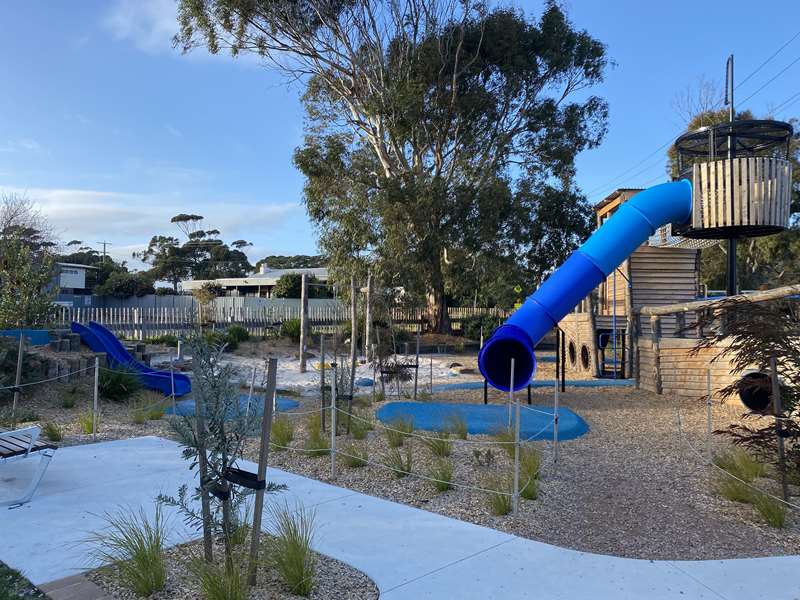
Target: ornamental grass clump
{"points": [[439, 444], [289, 547], [397, 430], [354, 456], [505, 436], [740, 464], [360, 426], [456, 425], [530, 464], [499, 498], [773, 511], [317, 443], [442, 474], [218, 582], [134, 543], [52, 432], [399, 462], [282, 433]]}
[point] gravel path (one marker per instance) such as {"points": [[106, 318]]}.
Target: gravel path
{"points": [[630, 487]]}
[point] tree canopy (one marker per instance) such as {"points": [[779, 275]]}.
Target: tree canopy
{"points": [[437, 132]]}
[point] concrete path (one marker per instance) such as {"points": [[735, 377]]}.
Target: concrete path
{"points": [[409, 553]]}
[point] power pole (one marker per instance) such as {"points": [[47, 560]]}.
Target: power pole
{"points": [[104, 249]]}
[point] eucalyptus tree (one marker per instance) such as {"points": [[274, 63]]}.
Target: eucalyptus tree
{"points": [[432, 124]]}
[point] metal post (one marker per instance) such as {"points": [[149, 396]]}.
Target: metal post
{"points": [[263, 454], [172, 384], [250, 392], [96, 394], [374, 374], [529, 394], [180, 350], [416, 366], [322, 378], [485, 391], [709, 423], [516, 442], [333, 421], [17, 378], [777, 408], [555, 427], [431, 375], [510, 398], [563, 360]]}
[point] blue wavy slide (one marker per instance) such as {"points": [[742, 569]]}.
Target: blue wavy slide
{"points": [[615, 240], [100, 339]]}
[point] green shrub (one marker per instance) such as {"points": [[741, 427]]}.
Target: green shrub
{"points": [[739, 463], [442, 473], [499, 499], [218, 583], [118, 384], [237, 333], [354, 456], [22, 415], [439, 444], [52, 432], [220, 341], [397, 430], [530, 463], [317, 443], [471, 326], [400, 462], [456, 426], [85, 422], [733, 489], [135, 544], [71, 393], [165, 340], [771, 510], [292, 532], [290, 328], [282, 433], [507, 437], [138, 416]]}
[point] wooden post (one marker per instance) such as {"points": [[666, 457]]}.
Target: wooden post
{"points": [[172, 382], [263, 454], [202, 469], [95, 398], [595, 364], [368, 318], [655, 335], [709, 416], [17, 378], [303, 320], [353, 348], [777, 409], [510, 399], [630, 326], [633, 344], [516, 441], [680, 324], [322, 378], [556, 402]]}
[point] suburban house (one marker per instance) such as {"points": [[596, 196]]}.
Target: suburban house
{"points": [[258, 285], [71, 282]]}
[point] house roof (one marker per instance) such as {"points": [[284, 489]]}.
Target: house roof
{"points": [[268, 277], [75, 265]]}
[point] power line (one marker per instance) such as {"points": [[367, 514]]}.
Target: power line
{"points": [[763, 64], [781, 72]]}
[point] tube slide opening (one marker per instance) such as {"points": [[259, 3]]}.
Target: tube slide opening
{"points": [[496, 354]]}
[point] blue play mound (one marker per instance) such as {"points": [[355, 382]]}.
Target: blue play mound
{"points": [[185, 408], [536, 422]]}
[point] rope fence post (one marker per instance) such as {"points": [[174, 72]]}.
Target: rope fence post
{"points": [[416, 365], [777, 409], [555, 426], [431, 378], [322, 378], [250, 391], [17, 378], [263, 455], [303, 320], [333, 420], [516, 441], [709, 416], [510, 398], [172, 382], [96, 394]]}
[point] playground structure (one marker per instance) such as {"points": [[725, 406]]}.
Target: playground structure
{"points": [[734, 181]]}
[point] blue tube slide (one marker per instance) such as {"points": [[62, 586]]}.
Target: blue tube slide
{"points": [[100, 339], [615, 240]]}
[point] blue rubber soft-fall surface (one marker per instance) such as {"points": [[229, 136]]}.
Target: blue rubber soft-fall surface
{"points": [[615, 240], [536, 422], [185, 408], [100, 339]]}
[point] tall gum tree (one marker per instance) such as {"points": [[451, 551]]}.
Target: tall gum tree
{"points": [[425, 120]]}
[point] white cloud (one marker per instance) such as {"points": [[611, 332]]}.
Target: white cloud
{"points": [[20, 145], [148, 24], [129, 220], [174, 131]]}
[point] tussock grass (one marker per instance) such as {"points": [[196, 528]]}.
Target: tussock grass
{"points": [[52, 432], [733, 489], [398, 430], [505, 435], [317, 443], [360, 425], [442, 472], [282, 433], [439, 444], [739, 463], [530, 464], [354, 456], [771, 510], [499, 500], [400, 462], [85, 422], [456, 426], [134, 543], [219, 583], [290, 551]]}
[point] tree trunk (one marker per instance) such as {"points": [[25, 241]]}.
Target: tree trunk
{"points": [[437, 302]]}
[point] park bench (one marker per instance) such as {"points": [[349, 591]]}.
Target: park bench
{"points": [[20, 444]]}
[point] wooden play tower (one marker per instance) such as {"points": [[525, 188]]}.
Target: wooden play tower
{"points": [[635, 324]]}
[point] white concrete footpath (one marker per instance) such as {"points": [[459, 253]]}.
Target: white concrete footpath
{"points": [[409, 553]]}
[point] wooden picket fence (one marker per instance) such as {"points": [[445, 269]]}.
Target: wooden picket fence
{"points": [[142, 323]]}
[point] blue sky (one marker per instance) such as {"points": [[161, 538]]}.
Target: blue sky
{"points": [[113, 132]]}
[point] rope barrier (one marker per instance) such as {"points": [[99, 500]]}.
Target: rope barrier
{"points": [[30, 383], [728, 473]]}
